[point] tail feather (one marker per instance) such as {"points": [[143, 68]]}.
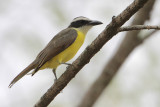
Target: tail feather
{"points": [[21, 74]]}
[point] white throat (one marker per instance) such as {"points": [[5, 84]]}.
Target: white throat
{"points": [[84, 29]]}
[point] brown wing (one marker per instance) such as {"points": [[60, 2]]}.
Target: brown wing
{"points": [[59, 43]]}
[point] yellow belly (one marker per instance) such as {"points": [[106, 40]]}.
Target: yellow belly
{"points": [[67, 54]]}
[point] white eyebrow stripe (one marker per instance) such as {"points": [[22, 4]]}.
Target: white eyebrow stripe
{"points": [[80, 18]]}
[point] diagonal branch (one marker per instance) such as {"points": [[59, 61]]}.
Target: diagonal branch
{"points": [[130, 42], [138, 27], [89, 52]]}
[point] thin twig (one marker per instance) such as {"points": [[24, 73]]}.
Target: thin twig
{"points": [[138, 27]]}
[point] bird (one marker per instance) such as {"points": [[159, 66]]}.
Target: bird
{"points": [[62, 47]]}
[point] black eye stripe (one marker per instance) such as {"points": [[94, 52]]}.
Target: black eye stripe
{"points": [[79, 23], [82, 21]]}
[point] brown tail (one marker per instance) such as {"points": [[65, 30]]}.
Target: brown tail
{"points": [[20, 75]]}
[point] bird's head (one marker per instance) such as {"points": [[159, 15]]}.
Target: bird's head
{"points": [[83, 24]]}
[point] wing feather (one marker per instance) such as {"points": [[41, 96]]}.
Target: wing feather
{"points": [[59, 43]]}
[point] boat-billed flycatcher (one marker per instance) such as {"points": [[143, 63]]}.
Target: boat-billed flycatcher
{"points": [[61, 48]]}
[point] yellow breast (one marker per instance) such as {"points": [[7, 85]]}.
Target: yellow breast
{"points": [[67, 54]]}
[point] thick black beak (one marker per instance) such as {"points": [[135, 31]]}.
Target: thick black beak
{"points": [[95, 22]]}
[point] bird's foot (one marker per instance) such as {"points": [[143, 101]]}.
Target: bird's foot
{"points": [[55, 80], [69, 64]]}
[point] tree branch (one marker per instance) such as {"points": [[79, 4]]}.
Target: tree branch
{"points": [[130, 42], [89, 52], [138, 27]]}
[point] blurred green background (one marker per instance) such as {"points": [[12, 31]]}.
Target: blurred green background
{"points": [[27, 26]]}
